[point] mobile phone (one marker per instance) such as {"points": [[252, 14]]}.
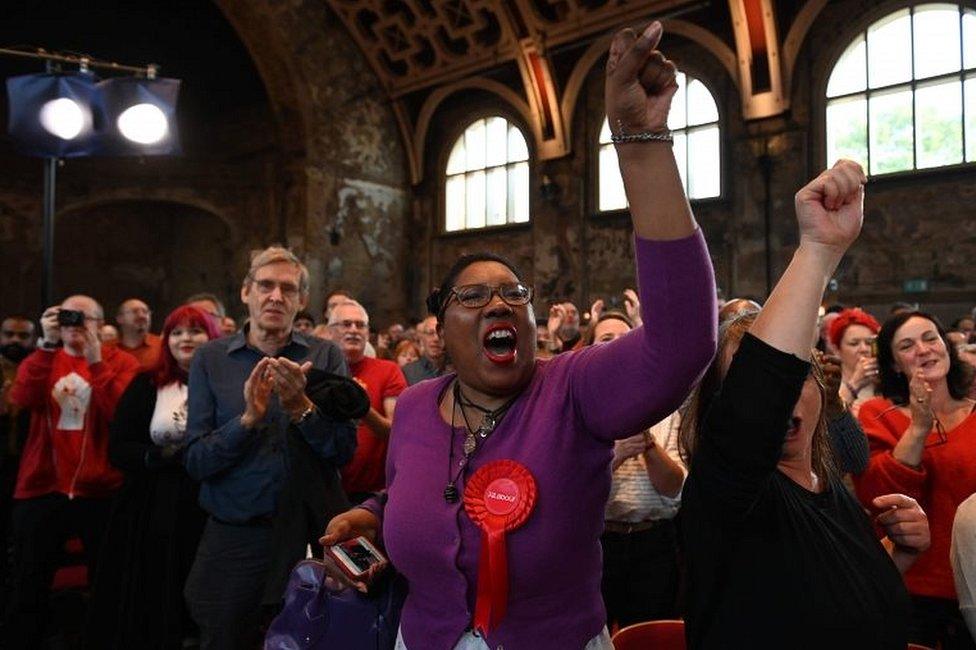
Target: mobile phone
{"points": [[355, 556], [71, 318]]}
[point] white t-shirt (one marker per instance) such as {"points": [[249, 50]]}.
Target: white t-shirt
{"points": [[168, 424]]}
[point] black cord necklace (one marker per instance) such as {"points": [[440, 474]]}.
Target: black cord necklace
{"points": [[489, 421]]}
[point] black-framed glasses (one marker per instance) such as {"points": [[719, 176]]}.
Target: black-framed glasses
{"points": [[475, 296]]}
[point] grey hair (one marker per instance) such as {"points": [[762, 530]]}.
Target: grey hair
{"points": [[272, 255]]}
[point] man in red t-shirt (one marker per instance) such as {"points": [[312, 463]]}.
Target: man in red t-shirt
{"points": [[383, 382], [71, 385]]}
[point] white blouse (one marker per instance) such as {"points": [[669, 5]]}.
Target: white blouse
{"points": [[168, 424]]}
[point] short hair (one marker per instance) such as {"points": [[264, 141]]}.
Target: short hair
{"points": [[273, 255], [845, 319], [20, 317], [208, 297], [99, 312], [304, 315], [118, 309], [350, 303], [437, 300]]}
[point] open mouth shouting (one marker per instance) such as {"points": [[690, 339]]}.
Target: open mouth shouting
{"points": [[500, 343], [794, 427]]}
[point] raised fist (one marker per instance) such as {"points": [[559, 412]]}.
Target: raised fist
{"points": [[830, 208], [640, 82]]}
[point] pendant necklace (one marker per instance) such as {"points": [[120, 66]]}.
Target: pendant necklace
{"points": [[490, 420]]}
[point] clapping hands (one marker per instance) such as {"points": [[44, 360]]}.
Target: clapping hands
{"points": [[275, 375]]}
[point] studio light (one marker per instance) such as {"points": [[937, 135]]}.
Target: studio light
{"points": [[140, 116], [143, 123], [62, 115], [53, 114]]}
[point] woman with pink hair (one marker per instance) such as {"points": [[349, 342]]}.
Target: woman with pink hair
{"points": [[156, 523]]}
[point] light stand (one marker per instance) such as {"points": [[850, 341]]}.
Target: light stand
{"points": [[53, 116]]}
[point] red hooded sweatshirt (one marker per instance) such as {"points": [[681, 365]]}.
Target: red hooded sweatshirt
{"points": [[71, 405]]}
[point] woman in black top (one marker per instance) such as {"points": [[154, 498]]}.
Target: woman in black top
{"points": [[156, 523], [778, 553]]}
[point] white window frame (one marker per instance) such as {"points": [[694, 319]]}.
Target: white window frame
{"points": [[966, 76], [468, 179]]}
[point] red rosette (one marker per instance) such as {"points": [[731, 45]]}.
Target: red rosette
{"points": [[499, 498]]}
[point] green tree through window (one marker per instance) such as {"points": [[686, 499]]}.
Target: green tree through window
{"points": [[902, 96]]}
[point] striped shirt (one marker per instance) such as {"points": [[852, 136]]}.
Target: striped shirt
{"points": [[633, 498]]}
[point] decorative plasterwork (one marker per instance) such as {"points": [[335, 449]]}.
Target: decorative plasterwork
{"points": [[436, 47], [415, 44]]}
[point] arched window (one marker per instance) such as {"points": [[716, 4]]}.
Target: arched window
{"points": [[487, 180], [694, 122], [902, 96]]}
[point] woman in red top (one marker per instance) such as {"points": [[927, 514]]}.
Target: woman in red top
{"points": [[923, 443]]}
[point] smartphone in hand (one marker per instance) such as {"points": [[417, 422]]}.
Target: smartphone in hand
{"points": [[355, 557]]}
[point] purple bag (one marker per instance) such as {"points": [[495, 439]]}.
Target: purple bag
{"points": [[315, 617]]}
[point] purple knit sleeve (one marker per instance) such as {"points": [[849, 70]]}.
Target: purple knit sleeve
{"points": [[632, 383]]}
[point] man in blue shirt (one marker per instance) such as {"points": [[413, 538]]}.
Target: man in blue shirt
{"points": [[246, 393]]}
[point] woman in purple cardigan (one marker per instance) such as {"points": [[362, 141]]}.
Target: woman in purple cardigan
{"points": [[497, 476]]}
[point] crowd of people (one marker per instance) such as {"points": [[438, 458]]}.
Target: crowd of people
{"points": [[777, 475]]}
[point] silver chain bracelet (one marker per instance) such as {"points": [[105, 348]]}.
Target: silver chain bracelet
{"points": [[647, 136]]}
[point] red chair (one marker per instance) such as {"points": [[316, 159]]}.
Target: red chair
{"points": [[73, 573], [653, 635]]}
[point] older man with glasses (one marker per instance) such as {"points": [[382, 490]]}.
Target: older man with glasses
{"points": [[383, 382], [432, 362], [250, 423], [135, 318]]}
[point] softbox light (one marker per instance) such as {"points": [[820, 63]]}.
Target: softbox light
{"points": [[53, 114], [139, 116]]}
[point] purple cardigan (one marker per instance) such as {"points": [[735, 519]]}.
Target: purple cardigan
{"points": [[562, 428]]}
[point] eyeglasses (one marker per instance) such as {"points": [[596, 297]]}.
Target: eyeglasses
{"points": [[350, 324], [288, 290], [475, 296]]}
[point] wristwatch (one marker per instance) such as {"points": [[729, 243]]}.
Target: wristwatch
{"points": [[306, 414], [50, 346]]}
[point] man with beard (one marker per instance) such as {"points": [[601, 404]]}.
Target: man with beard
{"points": [[16, 342], [383, 382]]}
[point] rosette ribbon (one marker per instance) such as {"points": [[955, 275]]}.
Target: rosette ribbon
{"points": [[498, 498]]}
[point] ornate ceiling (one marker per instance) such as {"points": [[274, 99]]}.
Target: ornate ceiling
{"points": [[433, 48]]}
